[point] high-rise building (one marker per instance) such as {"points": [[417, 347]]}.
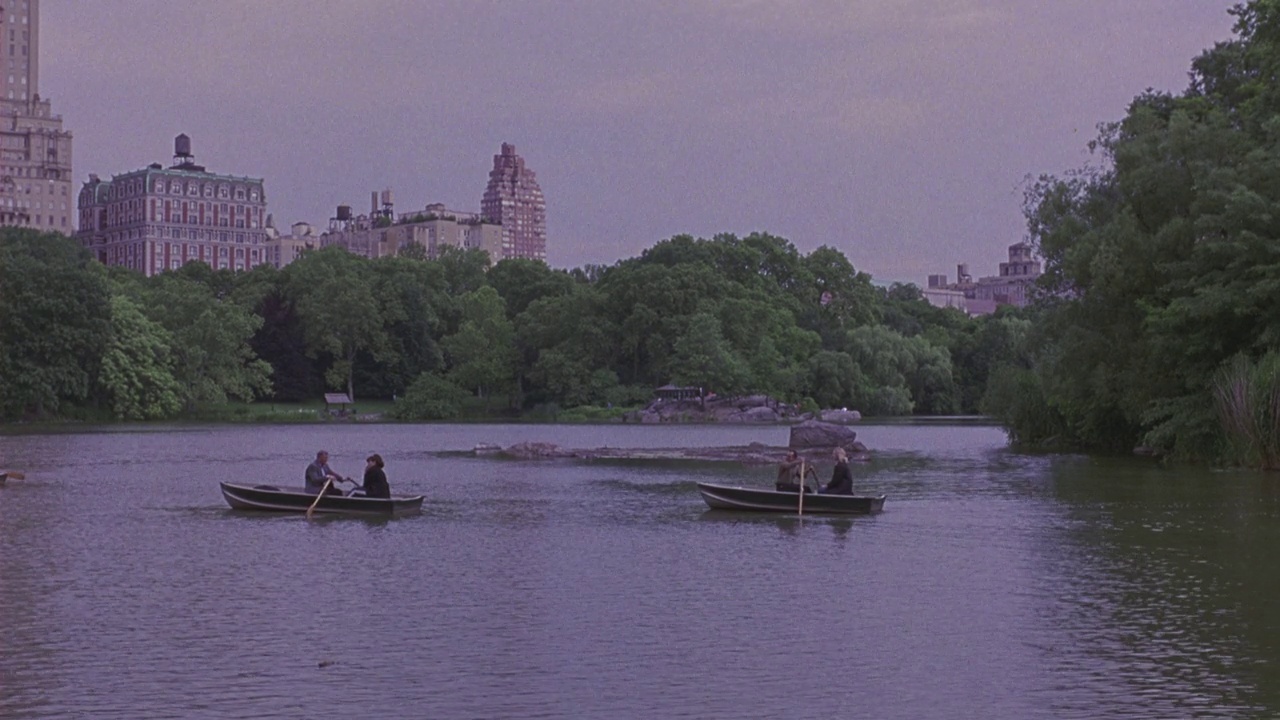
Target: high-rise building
{"points": [[514, 200], [159, 218], [35, 152]]}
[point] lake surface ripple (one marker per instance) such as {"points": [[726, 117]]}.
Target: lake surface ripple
{"points": [[995, 584]]}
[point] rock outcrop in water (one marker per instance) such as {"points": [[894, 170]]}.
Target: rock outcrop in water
{"points": [[753, 454], [814, 434]]}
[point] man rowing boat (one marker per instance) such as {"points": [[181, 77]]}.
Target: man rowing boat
{"points": [[789, 478], [318, 474]]}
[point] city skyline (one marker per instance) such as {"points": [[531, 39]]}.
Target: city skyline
{"points": [[897, 133]]}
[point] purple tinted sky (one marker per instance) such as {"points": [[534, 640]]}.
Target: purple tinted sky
{"points": [[898, 131]]}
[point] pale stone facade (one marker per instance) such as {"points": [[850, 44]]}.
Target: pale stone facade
{"points": [[158, 218], [35, 152], [382, 233], [1013, 286], [284, 249]]}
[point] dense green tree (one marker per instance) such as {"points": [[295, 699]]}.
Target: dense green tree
{"points": [[412, 251], [702, 357], [430, 397], [464, 270], [54, 322], [212, 357], [520, 281], [564, 342], [738, 315], [650, 304], [983, 344], [834, 379], [137, 370], [1164, 259], [414, 307], [281, 343], [482, 354], [847, 296], [884, 359], [333, 294]]}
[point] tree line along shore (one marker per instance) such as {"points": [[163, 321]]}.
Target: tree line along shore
{"points": [[456, 338], [1156, 323]]}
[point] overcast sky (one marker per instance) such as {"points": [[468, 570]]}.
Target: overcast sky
{"points": [[897, 131]]}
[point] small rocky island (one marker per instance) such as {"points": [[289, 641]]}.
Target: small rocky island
{"points": [[811, 439]]}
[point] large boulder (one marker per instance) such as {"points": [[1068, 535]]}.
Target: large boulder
{"points": [[840, 417], [818, 434]]}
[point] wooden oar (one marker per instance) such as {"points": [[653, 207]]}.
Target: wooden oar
{"points": [[323, 490], [14, 474], [801, 510]]}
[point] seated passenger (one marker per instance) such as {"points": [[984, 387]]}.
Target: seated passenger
{"points": [[841, 479], [375, 480]]}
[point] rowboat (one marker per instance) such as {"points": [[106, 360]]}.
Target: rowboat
{"points": [[728, 497], [272, 498]]}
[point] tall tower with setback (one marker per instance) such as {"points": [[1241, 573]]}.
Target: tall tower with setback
{"points": [[514, 200]]}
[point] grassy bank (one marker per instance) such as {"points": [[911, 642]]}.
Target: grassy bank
{"points": [[474, 410]]}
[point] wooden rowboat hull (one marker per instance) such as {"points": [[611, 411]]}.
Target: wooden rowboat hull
{"points": [[271, 498], [728, 497]]}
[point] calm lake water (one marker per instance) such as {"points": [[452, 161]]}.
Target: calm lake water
{"points": [[994, 585]]}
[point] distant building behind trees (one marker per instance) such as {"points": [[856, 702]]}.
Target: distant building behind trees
{"points": [[1011, 287], [383, 232], [512, 222], [284, 249], [514, 200], [159, 218]]}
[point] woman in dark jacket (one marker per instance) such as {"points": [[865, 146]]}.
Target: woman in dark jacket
{"points": [[841, 479], [375, 480]]}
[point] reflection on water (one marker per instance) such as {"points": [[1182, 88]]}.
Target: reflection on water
{"points": [[994, 585]]}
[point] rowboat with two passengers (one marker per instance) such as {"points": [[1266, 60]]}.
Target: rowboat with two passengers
{"points": [[729, 497], [273, 498]]}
